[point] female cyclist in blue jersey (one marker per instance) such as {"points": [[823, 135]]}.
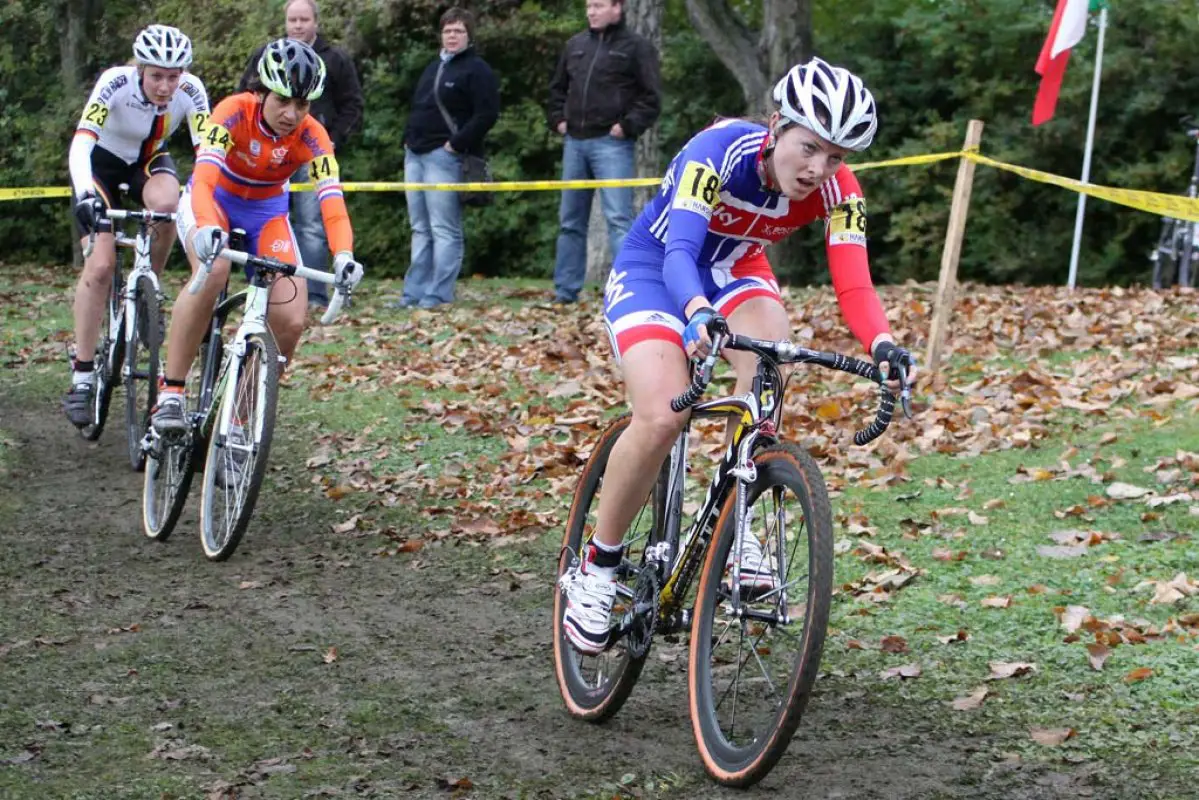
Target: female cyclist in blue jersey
{"points": [[695, 256]]}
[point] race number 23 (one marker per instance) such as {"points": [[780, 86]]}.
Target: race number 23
{"points": [[698, 189], [847, 223], [97, 114]]}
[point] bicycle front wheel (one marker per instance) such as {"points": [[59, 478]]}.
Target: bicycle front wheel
{"points": [[751, 673], [595, 687], [236, 462], [141, 384], [109, 357]]}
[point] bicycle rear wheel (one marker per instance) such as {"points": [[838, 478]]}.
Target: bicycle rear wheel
{"points": [[171, 465], [141, 384], [233, 471], [109, 356], [750, 675], [595, 687]]}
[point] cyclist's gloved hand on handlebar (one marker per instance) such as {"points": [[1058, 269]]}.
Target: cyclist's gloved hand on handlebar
{"points": [[891, 360], [208, 243], [87, 212], [346, 270], [697, 336]]}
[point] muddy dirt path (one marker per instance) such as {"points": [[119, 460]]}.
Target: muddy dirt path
{"points": [[307, 667]]}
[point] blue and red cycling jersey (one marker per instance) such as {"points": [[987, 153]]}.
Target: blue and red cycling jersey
{"points": [[706, 231]]}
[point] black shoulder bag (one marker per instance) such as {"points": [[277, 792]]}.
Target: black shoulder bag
{"points": [[474, 168]]}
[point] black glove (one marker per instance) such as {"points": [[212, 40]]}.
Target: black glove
{"points": [[87, 210], [889, 357]]}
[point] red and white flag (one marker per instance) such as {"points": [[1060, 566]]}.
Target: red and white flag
{"points": [[1069, 25]]}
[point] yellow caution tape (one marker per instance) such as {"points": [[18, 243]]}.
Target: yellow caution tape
{"points": [[1168, 205]]}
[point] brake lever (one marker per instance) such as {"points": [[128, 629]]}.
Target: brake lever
{"points": [[905, 392]]}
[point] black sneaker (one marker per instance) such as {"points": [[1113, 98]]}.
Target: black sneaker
{"points": [[79, 404]]}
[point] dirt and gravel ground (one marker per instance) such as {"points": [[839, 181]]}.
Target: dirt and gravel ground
{"points": [[305, 667]]}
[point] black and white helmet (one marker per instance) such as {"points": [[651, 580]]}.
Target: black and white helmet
{"points": [[291, 68], [830, 101], [163, 46]]}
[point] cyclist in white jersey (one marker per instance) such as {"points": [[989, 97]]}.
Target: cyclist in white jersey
{"points": [[121, 138]]}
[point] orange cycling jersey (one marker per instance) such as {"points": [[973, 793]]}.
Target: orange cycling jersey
{"points": [[240, 155]]}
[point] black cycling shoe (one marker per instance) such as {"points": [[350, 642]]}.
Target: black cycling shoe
{"points": [[169, 418], [79, 404]]}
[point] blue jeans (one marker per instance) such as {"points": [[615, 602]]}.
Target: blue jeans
{"points": [[585, 159], [436, 220], [309, 226]]}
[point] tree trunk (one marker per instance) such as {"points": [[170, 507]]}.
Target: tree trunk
{"points": [[757, 59], [77, 19], [643, 17]]}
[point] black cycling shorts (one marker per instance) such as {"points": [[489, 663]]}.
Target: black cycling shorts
{"points": [[109, 172]]}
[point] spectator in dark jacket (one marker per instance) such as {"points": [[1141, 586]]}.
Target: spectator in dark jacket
{"points": [[457, 101], [604, 94], [339, 109]]}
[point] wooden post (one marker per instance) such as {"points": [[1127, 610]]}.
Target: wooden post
{"points": [[947, 283]]}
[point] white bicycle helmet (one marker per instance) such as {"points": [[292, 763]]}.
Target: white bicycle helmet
{"points": [[292, 69], [163, 46], [830, 101]]}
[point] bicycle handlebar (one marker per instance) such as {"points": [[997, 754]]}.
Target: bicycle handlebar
{"points": [[119, 213], [785, 352], [341, 295]]}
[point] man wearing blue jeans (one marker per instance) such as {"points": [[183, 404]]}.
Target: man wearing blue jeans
{"points": [[604, 94]]}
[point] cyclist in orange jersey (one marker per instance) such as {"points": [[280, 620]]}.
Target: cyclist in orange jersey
{"points": [[252, 144]]}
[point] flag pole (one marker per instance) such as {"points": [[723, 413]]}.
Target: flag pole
{"points": [[1086, 157]]}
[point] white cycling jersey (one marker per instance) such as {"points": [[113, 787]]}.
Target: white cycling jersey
{"points": [[119, 119]]}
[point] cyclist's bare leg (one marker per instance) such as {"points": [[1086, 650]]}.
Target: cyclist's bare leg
{"points": [[288, 313], [654, 372], [161, 193], [761, 318], [189, 318], [91, 292]]}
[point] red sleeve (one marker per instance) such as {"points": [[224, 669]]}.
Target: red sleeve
{"points": [[849, 266]]}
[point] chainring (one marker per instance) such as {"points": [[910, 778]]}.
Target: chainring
{"points": [[645, 597]]}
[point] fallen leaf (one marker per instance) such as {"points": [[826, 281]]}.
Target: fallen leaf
{"points": [[249, 585], [906, 671], [1009, 669], [955, 638], [971, 701], [1137, 675], [1072, 617], [893, 644], [1126, 491], [330, 655], [985, 580], [1097, 654], [952, 600], [454, 783], [993, 504], [976, 519], [1062, 551], [347, 526], [1050, 737], [997, 602]]}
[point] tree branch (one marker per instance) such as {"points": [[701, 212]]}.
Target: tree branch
{"points": [[733, 43]]}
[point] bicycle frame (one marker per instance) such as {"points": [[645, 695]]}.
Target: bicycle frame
{"points": [[256, 299], [758, 416], [142, 267]]}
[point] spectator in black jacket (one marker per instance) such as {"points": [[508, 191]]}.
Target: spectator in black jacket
{"points": [[339, 109], [457, 101], [604, 94]]}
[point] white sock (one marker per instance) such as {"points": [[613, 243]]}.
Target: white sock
{"points": [[81, 377]]}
